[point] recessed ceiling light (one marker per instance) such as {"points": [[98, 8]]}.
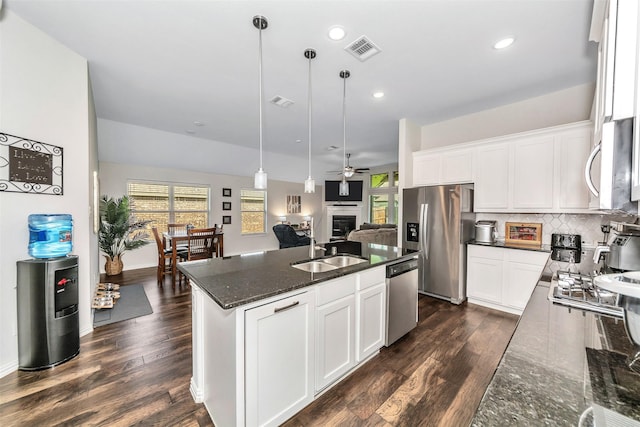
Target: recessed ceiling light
{"points": [[332, 147], [378, 94], [190, 132], [298, 141], [337, 33], [505, 42], [197, 123]]}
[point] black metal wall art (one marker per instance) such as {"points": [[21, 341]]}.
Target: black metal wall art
{"points": [[28, 166]]}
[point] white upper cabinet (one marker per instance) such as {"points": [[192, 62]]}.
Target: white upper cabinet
{"points": [[491, 190], [533, 173], [443, 166], [537, 171]]}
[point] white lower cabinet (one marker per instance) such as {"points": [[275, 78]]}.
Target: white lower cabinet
{"points": [[335, 331], [503, 278], [279, 359], [371, 308]]}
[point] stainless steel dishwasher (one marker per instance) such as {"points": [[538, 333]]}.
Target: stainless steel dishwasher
{"points": [[402, 299]]}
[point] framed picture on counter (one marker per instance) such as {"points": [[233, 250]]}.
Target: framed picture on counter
{"points": [[523, 233]]}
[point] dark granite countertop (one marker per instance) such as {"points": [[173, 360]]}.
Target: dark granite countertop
{"points": [[502, 244], [559, 363], [238, 280]]}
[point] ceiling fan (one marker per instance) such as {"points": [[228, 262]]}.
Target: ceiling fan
{"points": [[349, 170]]}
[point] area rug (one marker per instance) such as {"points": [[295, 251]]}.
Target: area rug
{"points": [[133, 302]]}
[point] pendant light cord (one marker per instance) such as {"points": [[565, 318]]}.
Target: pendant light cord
{"points": [[260, 71], [310, 57], [344, 123]]}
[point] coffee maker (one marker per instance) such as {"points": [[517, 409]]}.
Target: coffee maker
{"points": [[623, 248]]}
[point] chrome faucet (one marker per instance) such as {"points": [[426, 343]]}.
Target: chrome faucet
{"points": [[312, 241]]}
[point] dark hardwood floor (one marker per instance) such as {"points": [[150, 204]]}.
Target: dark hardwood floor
{"points": [[137, 372]]}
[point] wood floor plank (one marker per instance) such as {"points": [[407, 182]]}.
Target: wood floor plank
{"points": [[138, 372]]}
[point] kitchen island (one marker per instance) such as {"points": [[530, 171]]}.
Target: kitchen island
{"points": [[268, 338], [560, 366]]}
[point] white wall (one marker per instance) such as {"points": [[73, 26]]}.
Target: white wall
{"points": [[113, 182], [130, 144], [408, 142], [44, 97], [557, 108]]}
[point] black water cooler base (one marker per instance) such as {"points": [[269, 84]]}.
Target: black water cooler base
{"points": [[48, 323]]}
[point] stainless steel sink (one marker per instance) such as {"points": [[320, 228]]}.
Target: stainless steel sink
{"points": [[315, 266], [341, 261], [327, 264]]}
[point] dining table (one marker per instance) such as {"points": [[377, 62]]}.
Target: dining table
{"points": [[174, 239]]}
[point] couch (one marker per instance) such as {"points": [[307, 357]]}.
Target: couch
{"points": [[288, 238], [382, 234]]}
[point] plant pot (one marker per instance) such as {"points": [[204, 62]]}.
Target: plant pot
{"points": [[113, 266]]}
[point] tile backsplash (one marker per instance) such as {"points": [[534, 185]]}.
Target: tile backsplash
{"points": [[586, 225]]}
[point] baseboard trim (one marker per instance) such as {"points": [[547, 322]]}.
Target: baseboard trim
{"points": [[8, 368]]}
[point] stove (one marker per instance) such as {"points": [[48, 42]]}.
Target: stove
{"points": [[576, 290]]}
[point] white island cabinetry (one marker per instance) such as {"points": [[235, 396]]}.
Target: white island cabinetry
{"points": [[260, 363]]}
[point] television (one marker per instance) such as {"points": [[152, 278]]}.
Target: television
{"points": [[332, 190]]}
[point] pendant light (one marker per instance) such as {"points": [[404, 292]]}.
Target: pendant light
{"points": [[343, 189], [260, 179], [309, 183]]}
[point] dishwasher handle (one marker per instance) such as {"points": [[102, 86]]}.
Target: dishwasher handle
{"points": [[399, 268]]}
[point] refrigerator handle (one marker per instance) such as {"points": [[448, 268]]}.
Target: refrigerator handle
{"points": [[424, 229]]}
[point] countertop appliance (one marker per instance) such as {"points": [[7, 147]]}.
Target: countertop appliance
{"points": [[438, 221], [486, 231], [624, 251], [402, 299], [566, 247]]}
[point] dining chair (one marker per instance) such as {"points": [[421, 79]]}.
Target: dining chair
{"points": [[201, 243], [177, 228], [217, 241], [165, 255]]}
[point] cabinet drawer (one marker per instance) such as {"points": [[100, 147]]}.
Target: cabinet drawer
{"points": [[527, 257], [485, 252], [371, 277], [335, 289]]}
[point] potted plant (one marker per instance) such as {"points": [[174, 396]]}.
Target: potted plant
{"points": [[119, 232]]}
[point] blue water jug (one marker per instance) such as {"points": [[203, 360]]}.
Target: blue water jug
{"points": [[50, 235]]}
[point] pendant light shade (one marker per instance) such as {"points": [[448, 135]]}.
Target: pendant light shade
{"points": [[309, 183], [343, 190], [260, 178]]}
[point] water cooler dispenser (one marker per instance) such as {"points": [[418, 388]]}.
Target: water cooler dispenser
{"points": [[48, 326]]}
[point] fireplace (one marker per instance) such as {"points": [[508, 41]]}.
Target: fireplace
{"points": [[341, 225], [340, 221]]}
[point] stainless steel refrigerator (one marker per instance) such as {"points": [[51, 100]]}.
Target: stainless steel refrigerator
{"points": [[438, 221]]}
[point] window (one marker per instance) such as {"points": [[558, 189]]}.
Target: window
{"points": [[169, 203], [253, 211], [382, 192]]}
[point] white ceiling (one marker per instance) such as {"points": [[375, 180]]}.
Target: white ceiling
{"points": [[166, 64]]}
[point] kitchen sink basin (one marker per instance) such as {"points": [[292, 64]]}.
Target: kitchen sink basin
{"points": [[327, 264], [343, 260], [314, 266]]}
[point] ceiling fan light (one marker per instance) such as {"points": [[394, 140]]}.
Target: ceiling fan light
{"points": [[348, 172], [309, 185], [260, 180], [343, 189]]}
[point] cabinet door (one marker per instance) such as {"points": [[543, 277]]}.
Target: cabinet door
{"points": [[426, 169], [279, 359], [457, 167], [371, 311], [519, 283], [484, 273], [573, 150], [491, 190], [336, 343], [533, 173]]}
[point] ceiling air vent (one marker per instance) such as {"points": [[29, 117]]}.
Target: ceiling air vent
{"points": [[362, 48], [281, 101]]}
